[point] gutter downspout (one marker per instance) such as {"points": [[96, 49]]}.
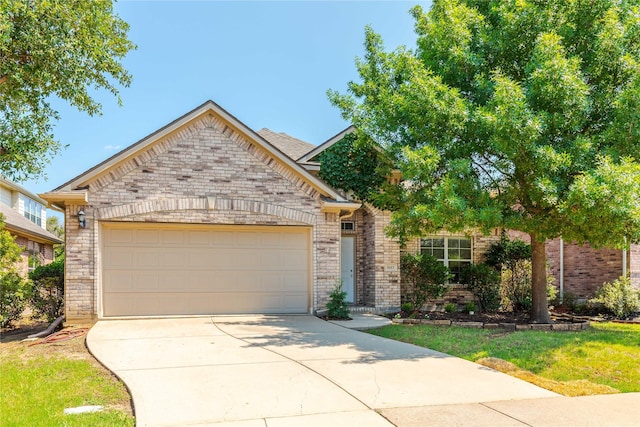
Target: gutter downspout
{"points": [[561, 270]]}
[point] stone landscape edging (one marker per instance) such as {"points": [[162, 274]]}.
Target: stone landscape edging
{"points": [[576, 326]]}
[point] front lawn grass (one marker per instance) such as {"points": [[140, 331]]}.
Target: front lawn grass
{"points": [[581, 363], [38, 382]]}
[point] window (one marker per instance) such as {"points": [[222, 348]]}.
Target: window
{"points": [[454, 252], [347, 225], [32, 210]]}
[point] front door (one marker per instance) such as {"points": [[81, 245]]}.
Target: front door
{"points": [[347, 261]]}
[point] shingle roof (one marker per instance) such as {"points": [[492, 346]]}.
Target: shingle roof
{"points": [[292, 147], [18, 224]]}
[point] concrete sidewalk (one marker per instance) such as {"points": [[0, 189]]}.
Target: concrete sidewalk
{"points": [[302, 371]]}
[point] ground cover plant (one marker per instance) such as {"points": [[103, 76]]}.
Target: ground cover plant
{"points": [[39, 381], [602, 359]]}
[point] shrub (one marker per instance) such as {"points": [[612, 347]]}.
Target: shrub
{"points": [[47, 299], [484, 283], [516, 287], [337, 307], [570, 300], [14, 294], [619, 296], [450, 307], [14, 289], [407, 307], [506, 253], [426, 277], [470, 307]]}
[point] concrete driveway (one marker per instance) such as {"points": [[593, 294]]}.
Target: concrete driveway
{"points": [[285, 371]]}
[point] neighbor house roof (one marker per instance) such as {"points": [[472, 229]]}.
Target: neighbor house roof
{"points": [[79, 184], [19, 225], [20, 189], [292, 147]]}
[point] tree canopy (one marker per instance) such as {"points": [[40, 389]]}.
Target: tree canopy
{"points": [[515, 114], [54, 48]]}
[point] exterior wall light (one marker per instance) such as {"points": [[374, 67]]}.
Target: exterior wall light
{"points": [[81, 219]]}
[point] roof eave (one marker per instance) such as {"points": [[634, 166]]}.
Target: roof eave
{"points": [[59, 199]]}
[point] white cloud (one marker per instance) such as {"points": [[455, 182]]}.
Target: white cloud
{"points": [[112, 147]]}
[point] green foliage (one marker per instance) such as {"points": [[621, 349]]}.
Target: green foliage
{"points": [[353, 164], [541, 135], [337, 307], [14, 293], [506, 253], [54, 227], [407, 307], [36, 390], [450, 307], [426, 278], [47, 298], [470, 307], [619, 296], [516, 287], [484, 282], [14, 289], [55, 48]]}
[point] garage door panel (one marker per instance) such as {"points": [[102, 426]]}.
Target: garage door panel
{"points": [[145, 281], [172, 238], [208, 270], [122, 259], [201, 238], [292, 280], [119, 281], [147, 237], [146, 258], [296, 260], [171, 259]]}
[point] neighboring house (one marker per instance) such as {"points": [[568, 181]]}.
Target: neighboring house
{"points": [[207, 216], [25, 218]]}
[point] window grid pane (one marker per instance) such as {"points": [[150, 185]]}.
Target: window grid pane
{"points": [[454, 252]]}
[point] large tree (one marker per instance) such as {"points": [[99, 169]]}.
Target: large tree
{"points": [[53, 48], [522, 114]]}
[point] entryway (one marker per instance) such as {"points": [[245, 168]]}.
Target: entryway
{"points": [[347, 263]]}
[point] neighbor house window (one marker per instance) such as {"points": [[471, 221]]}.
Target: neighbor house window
{"points": [[32, 211], [454, 252]]}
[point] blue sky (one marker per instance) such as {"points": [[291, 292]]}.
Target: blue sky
{"points": [[269, 63]]}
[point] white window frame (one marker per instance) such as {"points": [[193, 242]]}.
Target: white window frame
{"points": [[446, 259], [32, 210]]}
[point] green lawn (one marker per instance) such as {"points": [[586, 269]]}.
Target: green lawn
{"points": [[606, 354], [38, 382]]}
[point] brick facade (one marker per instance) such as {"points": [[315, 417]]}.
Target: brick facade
{"points": [[204, 173], [457, 293], [43, 252], [585, 268]]}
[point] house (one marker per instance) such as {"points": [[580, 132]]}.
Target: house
{"points": [[25, 218], [207, 216]]}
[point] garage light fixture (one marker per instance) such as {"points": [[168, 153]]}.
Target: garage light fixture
{"points": [[81, 219]]}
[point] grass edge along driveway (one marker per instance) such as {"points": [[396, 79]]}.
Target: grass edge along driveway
{"points": [[602, 359], [37, 382]]}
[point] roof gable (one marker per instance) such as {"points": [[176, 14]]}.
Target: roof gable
{"points": [[308, 157], [116, 165]]}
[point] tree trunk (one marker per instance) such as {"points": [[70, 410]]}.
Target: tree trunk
{"points": [[539, 308]]}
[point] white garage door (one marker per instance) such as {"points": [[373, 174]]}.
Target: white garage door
{"points": [[175, 270]]}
